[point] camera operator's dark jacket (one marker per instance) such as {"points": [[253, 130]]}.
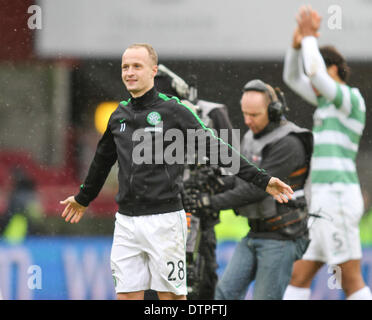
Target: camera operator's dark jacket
{"points": [[149, 188], [283, 151]]}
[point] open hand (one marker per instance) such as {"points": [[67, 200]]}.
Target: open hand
{"points": [[308, 21], [279, 190], [73, 210]]}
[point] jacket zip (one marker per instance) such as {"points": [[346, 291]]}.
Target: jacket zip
{"points": [[131, 171], [168, 175]]}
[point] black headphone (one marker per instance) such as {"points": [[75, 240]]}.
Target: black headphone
{"points": [[277, 107]]}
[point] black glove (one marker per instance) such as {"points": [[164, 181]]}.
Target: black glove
{"points": [[228, 182], [194, 202]]}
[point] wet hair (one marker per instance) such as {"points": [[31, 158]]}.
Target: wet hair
{"points": [[331, 57], [152, 53]]}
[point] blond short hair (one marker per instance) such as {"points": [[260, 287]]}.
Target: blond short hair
{"points": [[152, 53]]}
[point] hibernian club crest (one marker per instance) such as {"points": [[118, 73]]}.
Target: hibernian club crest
{"points": [[154, 118]]}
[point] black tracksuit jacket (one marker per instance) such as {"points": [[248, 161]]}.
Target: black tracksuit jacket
{"points": [[148, 188]]}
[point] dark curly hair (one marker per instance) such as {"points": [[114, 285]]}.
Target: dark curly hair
{"points": [[331, 57]]}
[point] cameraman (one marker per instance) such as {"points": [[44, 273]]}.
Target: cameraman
{"points": [[278, 232]]}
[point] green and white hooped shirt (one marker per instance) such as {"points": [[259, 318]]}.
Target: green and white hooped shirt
{"points": [[337, 129], [339, 118]]}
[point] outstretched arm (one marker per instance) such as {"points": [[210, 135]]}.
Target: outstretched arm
{"points": [[246, 170], [279, 160], [279, 190], [100, 167]]}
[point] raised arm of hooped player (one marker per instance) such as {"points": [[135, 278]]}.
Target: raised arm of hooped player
{"points": [[293, 72], [308, 24]]}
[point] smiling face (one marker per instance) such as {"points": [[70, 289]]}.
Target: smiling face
{"points": [[138, 70], [254, 107]]}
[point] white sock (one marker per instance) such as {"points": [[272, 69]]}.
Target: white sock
{"points": [[296, 293], [361, 294]]}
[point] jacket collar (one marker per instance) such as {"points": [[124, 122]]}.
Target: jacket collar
{"points": [[270, 127], [145, 99]]}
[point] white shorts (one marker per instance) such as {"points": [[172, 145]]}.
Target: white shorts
{"points": [[149, 252], [335, 237]]}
